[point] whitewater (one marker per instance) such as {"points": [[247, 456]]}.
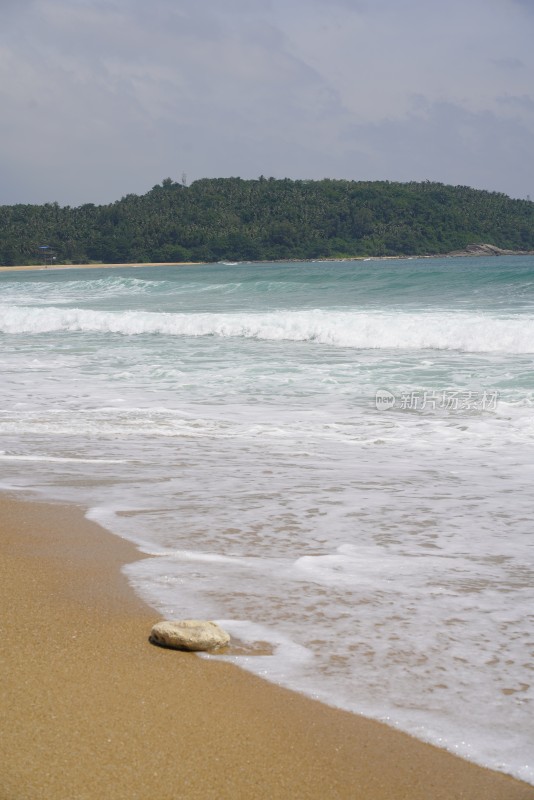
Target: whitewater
{"points": [[333, 460]]}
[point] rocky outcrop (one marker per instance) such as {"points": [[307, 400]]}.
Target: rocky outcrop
{"points": [[189, 634], [482, 250]]}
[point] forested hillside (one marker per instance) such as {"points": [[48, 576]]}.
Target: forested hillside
{"points": [[242, 220]]}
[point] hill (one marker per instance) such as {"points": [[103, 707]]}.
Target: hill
{"points": [[266, 219]]}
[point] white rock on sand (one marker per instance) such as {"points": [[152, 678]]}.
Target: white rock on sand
{"points": [[189, 634]]}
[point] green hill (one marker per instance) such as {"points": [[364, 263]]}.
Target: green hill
{"points": [[242, 220]]}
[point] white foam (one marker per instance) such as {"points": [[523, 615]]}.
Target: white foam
{"points": [[60, 460], [462, 331], [379, 561], [371, 626]]}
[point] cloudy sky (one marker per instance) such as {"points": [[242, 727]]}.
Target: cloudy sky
{"points": [[100, 98]]}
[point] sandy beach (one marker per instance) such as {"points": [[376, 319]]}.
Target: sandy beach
{"points": [[52, 267], [89, 709], [469, 252]]}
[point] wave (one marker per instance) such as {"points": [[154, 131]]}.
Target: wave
{"points": [[462, 331], [48, 293]]}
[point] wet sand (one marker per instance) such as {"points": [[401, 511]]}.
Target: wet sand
{"points": [[90, 710]]}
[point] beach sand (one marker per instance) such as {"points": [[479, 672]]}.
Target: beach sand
{"points": [[89, 709], [52, 267]]}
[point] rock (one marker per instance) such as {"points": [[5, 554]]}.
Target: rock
{"points": [[482, 249], [189, 634]]}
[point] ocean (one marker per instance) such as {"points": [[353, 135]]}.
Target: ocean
{"points": [[333, 460]]}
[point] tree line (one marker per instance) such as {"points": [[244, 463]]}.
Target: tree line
{"points": [[266, 219]]}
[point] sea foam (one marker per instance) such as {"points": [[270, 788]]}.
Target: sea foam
{"points": [[463, 331], [224, 419]]}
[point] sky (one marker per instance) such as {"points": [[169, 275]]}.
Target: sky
{"points": [[102, 98]]}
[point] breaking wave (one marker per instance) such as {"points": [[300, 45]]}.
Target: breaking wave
{"points": [[468, 332]]}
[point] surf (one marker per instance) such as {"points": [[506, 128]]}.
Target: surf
{"points": [[374, 330]]}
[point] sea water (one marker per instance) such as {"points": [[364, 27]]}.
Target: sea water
{"points": [[334, 460]]}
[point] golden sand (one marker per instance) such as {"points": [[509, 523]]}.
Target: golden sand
{"points": [[52, 267], [89, 710]]}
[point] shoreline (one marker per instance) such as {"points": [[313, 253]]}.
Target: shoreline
{"points": [[90, 709], [56, 267], [478, 251]]}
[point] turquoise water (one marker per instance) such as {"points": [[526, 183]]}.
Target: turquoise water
{"points": [[333, 459]]}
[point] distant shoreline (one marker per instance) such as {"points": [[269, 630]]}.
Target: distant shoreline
{"points": [[52, 267], [471, 251]]}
